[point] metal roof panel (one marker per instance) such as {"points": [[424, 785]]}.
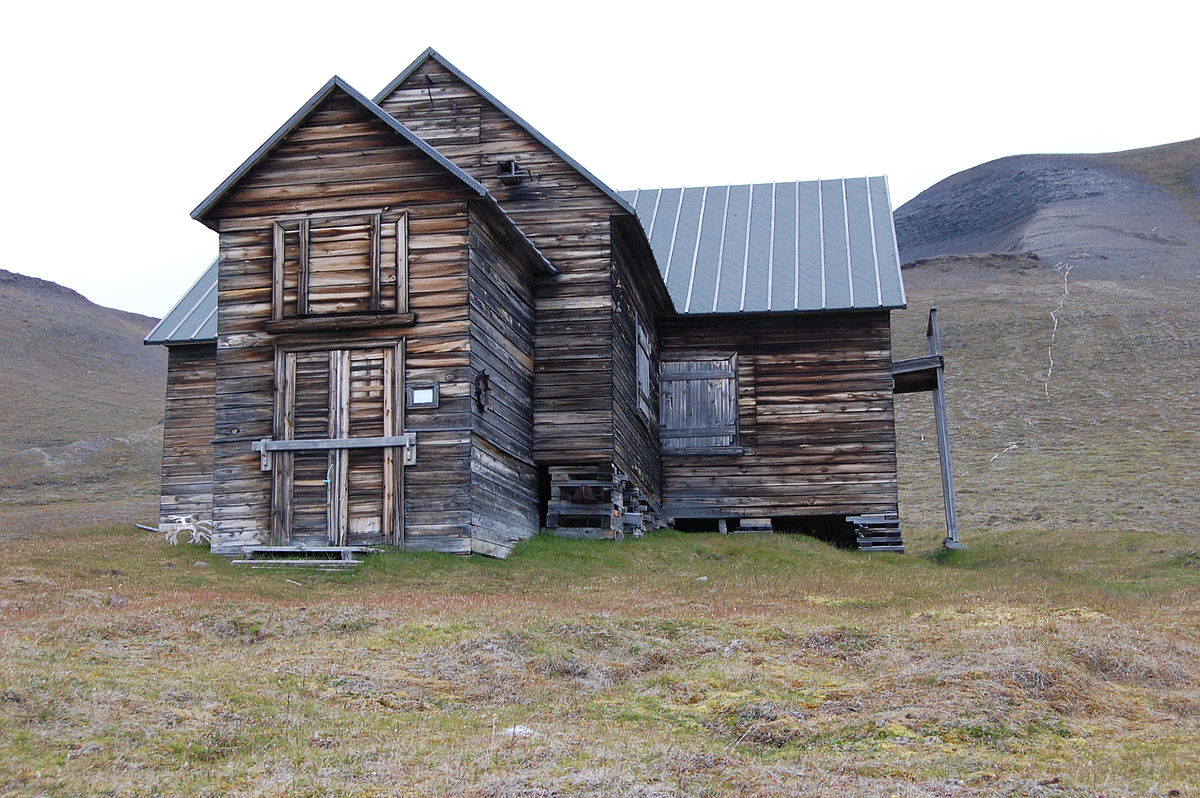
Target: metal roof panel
{"points": [[805, 245], [732, 259], [194, 317], [861, 235], [783, 249]]}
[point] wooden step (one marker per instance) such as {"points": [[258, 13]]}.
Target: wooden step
{"points": [[312, 563], [301, 548], [878, 532], [321, 558]]}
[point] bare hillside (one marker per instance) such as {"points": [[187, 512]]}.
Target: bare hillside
{"points": [[1125, 214], [81, 396], [1090, 424]]}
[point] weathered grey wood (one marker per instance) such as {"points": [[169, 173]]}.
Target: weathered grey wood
{"points": [[278, 246], [188, 424], [933, 336], [376, 302], [798, 451], [326, 444], [340, 323], [402, 264], [302, 274]]}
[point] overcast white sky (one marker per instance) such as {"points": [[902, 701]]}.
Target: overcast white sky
{"points": [[120, 117]]}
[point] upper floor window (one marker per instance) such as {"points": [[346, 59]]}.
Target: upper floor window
{"points": [[645, 365], [699, 403], [340, 263]]}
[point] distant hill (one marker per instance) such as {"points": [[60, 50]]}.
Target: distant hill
{"points": [[81, 397], [1124, 214]]}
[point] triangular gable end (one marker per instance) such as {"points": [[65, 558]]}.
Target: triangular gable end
{"points": [[430, 53], [297, 119]]}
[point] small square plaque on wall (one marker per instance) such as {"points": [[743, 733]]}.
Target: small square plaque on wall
{"points": [[423, 395]]}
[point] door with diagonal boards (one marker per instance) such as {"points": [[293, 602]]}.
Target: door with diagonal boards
{"points": [[336, 480]]}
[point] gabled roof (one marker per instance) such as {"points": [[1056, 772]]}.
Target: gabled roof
{"points": [[193, 320], [504, 109], [335, 84], [817, 245]]}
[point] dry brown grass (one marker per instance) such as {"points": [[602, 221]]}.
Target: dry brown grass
{"points": [[1109, 443], [1059, 656], [795, 669]]}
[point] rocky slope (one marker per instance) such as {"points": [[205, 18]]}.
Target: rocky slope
{"points": [[1126, 214], [81, 397]]}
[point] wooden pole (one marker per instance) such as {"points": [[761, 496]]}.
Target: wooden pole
{"points": [[933, 336]]}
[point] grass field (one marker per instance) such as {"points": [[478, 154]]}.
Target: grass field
{"points": [[1033, 664], [1058, 656]]}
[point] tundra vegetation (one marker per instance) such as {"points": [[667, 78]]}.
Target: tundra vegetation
{"points": [[1058, 655]]}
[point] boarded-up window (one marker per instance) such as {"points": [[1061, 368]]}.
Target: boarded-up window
{"points": [[645, 363], [699, 403], [354, 263]]}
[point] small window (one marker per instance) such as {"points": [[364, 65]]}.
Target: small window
{"points": [[331, 264], [699, 403], [645, 364], [423, 395]]}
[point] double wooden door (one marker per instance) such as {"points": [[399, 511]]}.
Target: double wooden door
{"points": [[335, 483]]}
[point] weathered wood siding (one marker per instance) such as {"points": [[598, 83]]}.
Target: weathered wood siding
{"points": [[567, 218], [187, 463], [635, 436], [815, 418], [343, 159], [504, 485]]}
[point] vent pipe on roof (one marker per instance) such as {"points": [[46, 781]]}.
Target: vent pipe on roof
{"points": [[511, 174]]}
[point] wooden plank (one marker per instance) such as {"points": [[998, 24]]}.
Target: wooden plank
{"points": [[329, 444], [303, 273]]}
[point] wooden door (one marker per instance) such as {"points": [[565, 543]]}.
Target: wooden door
{"points": [[338, 495]]}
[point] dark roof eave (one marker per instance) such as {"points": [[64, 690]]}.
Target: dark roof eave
{"points": [[188, 342], [788, 311], [530, 129]]}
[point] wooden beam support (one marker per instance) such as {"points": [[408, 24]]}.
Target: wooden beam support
{"points": [[327, 444], [933, 335]]}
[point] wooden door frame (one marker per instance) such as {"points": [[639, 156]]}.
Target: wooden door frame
{"points": [[282, 468]]}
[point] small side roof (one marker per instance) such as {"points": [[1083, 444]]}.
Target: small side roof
{"points": [[335, 83], [800, 246], [530, 129], [193, 320]]}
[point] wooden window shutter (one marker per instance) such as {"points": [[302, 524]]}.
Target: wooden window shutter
{"points": [[645, 363], [699, 404], [340, 263]]}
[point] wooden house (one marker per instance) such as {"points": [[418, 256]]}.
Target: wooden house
{"points": [[428, 326]]}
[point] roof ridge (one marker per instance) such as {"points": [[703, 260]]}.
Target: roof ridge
{"points": [[745, 183], [489, 97]]}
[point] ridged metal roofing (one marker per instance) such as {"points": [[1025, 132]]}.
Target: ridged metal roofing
{"points": [[194, 318], [812, 245]]}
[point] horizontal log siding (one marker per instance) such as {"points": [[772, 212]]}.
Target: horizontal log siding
{"points": [[504, 486], [342, 159], [187, 462], [815, 418], [567, 218], [635, 438]]}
